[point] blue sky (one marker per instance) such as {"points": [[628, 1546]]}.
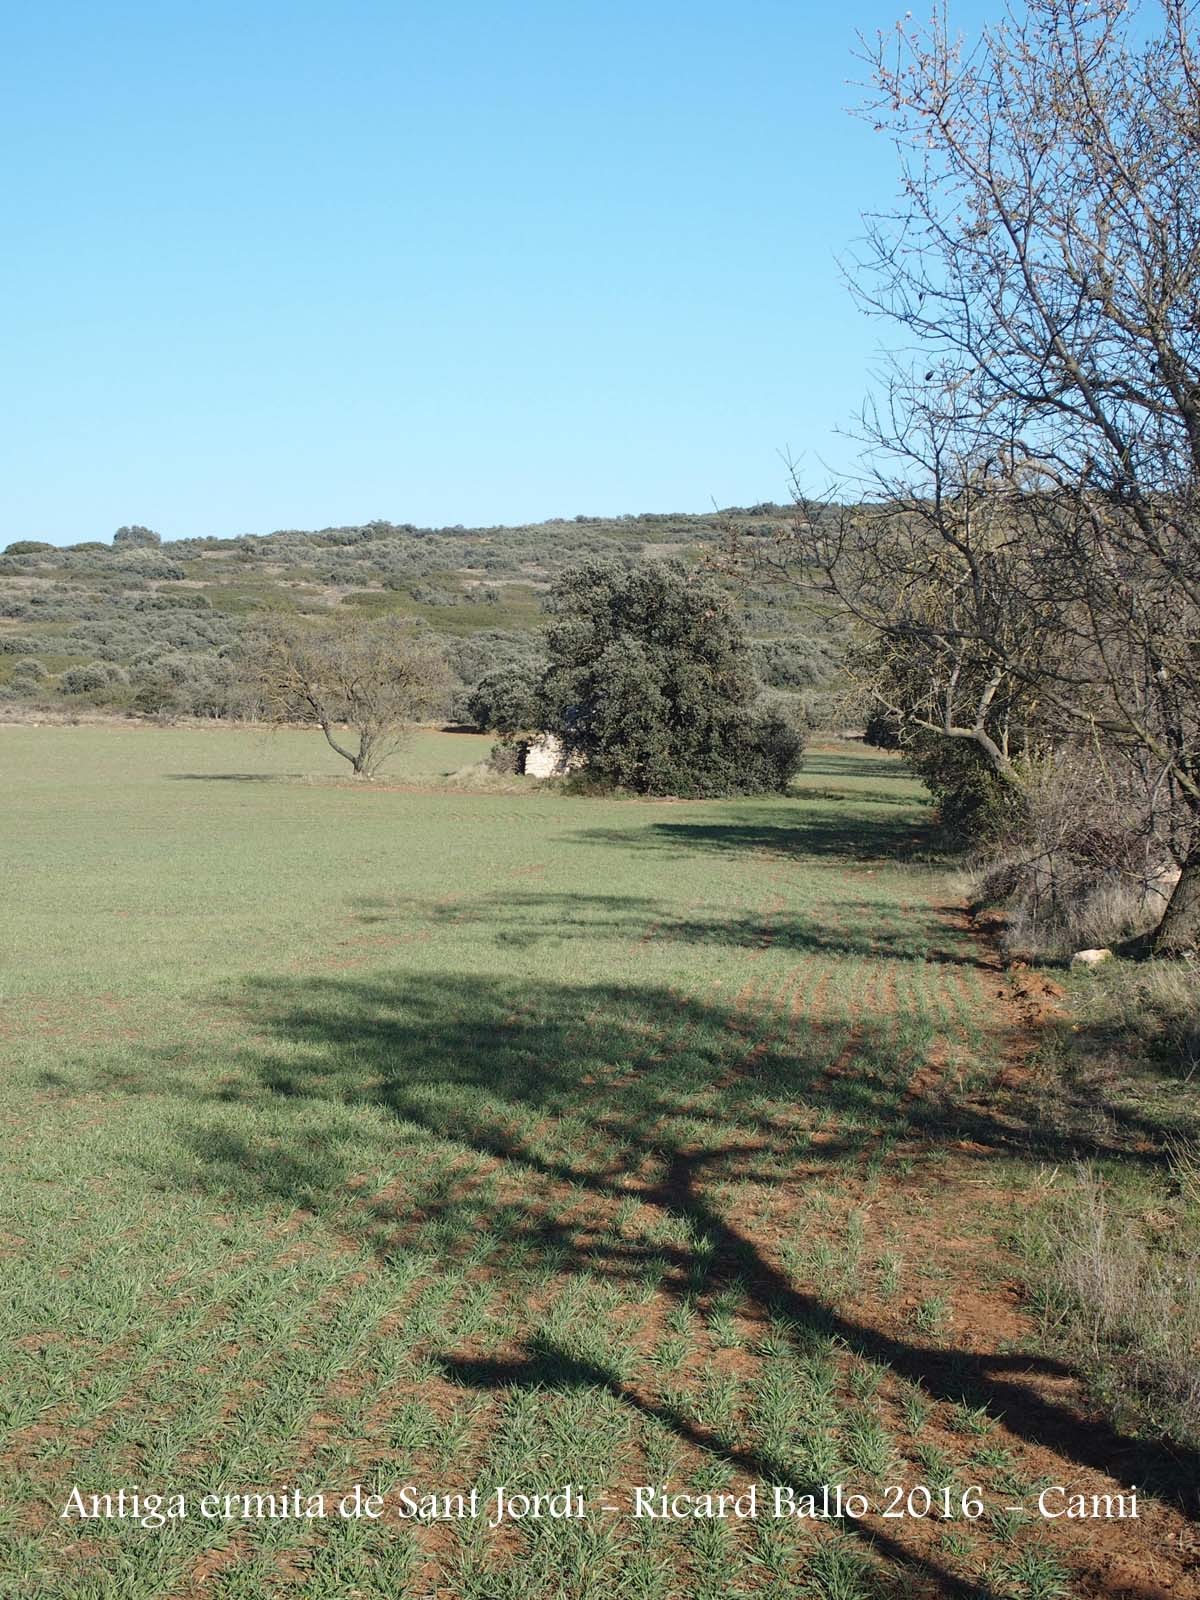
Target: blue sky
{"points": [[283, 264]]}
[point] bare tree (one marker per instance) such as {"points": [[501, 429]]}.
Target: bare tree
{"points": [[957, 629], [374, 679], [1034, 539]]}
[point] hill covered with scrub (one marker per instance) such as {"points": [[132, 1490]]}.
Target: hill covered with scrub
{"points": [[152, 627]]}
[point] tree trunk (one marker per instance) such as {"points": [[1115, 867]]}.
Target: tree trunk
{"points": [[1179, 931], [348, 755]]}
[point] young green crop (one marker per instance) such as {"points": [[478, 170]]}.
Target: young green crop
{"points": [[416, 1136]]}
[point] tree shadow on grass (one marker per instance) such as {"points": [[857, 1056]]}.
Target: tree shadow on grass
{"points": [[879, 769], [518, 1118], [852, 837], [838, 927], [232, 777], [548, 1366]]}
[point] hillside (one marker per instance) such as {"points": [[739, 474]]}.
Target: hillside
{"points": [[148, 626]]}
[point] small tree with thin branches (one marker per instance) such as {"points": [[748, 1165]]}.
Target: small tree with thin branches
{"points": [[365, 684]]}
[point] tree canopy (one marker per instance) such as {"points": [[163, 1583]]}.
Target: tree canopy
{"points": [[650, 681]]}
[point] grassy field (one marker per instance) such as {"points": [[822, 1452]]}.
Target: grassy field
{"points": [[408, 1135]]}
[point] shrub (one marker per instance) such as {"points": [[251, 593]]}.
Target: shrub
{"points": [[474, 655], [974, 802], [772, 751], [27, 547], [135, 536], [1085, 860], [28, 672], [148, 566], [90, 678], [507, 700], [650, 682], [504, 758], [182, 684], [191, 601], [789, 663]]}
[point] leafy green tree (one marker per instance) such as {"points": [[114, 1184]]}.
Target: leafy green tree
{"points": [[650, 681], [508, 700]]}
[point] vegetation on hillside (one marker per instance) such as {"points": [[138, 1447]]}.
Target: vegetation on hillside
{"points": [[151, 627]]}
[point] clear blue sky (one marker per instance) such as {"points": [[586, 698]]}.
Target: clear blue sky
{"points": [[276, 263]]}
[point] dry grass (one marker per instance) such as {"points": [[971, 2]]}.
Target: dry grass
{"points": [[1102, 913], [1115, 1283], [1149, 1009], [1089, 864], [483, 778]]}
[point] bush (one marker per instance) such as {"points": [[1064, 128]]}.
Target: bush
{"points": [[504, 758], [136, 537], [181, 684], [472, 656], [790, 663], [772, 752], [1086, 858], [650, 683], [28, 672], [190, 601], [507, 700], [974, 802], [84, 680], [27, 547], [92, 678], [148, 566]]}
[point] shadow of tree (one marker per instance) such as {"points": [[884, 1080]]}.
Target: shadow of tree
{"points": [[529, 918], [878, 768], [549, 1366], [860, 834], [525, 1115], [232, 777]]}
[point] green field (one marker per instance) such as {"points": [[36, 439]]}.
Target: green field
{"points": [[412, 1135]]}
